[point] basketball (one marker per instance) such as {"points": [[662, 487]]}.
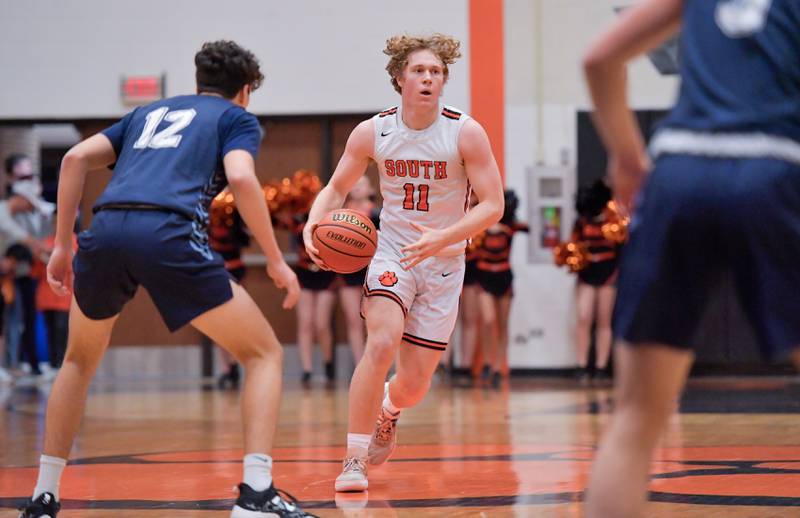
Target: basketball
{"points": [[346, 240]]}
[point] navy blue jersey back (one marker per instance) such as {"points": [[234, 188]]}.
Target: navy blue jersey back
{"points": [[169, 153], [740, 67]]}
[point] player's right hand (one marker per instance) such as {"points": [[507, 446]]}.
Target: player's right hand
{"points": [[627, 175], [59, 271], [284, 278], [312, 251]]}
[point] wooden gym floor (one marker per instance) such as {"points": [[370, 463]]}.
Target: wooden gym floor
{"points": [[160, 449]]}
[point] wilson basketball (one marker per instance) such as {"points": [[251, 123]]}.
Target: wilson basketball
{"points": [[346, 240]]}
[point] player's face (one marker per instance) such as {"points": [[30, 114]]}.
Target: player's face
{"points": [[423, 78]]}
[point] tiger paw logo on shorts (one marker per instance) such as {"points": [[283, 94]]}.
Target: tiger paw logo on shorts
{"points": [[388, 279]]}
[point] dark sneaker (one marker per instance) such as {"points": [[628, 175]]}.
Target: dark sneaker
{"points": [[43, 507], [270, 503]]}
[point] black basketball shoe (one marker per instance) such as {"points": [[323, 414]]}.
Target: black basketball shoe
{"points": [[43, 507], [266, 504]]}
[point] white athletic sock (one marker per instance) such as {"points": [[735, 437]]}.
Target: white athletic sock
{"points": [[50, 469], [388, 405], [258, 471], [358, 443]]}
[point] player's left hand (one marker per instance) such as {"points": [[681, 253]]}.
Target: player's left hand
{"points": [[429, 244], [59, 271]]}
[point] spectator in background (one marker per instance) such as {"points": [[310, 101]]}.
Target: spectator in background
{"points": [[7, 268], [25, 219], [315, 307], [227, 236], [54, 308], [470, 315], [596, 287], [18, 167], [496, 281], [361, 198]]}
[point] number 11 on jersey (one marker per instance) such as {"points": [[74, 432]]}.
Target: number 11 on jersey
{"points": [[422, 203]]}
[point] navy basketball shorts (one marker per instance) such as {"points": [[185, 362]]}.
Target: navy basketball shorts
{"points": [[127, 248], [698, 218]]}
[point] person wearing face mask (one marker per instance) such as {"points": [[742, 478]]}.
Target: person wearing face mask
{"points": [[25, 220], [18, 167]]}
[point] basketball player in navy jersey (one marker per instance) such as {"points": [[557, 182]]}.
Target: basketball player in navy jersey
{"points": [[725, 177], [172, 157]]}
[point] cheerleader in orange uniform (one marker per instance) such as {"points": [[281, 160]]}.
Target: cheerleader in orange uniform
{"points": [[470, 311], [361, 198], [495, 280], [227, 236], [596, 286], [315, 307]]}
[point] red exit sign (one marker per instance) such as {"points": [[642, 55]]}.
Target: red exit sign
{"points": [[142, 89]]}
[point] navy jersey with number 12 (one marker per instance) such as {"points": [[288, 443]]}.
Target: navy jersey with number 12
{"points": [[169, 154]]}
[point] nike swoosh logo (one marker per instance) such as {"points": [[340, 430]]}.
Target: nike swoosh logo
{"points": [[383, 134], [447, 274]]}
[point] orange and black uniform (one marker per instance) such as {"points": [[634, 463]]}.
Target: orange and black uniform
{"points": [[603, 254], [228, 241], [494, 265], [310, 276]]}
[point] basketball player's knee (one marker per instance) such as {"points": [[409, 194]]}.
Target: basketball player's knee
{"points": [[381, 349], [413, 385], [260, 349], [83, 358]]}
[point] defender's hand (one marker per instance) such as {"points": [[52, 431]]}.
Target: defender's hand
{"points": [[429, 244], [59, 271], [284, 278], [312, 251], [627, 175]]}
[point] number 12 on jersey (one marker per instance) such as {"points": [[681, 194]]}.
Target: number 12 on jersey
{"points": [[168, 137], [422, 203]]}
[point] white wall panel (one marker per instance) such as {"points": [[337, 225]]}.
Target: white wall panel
{"points": [[64, 59]]}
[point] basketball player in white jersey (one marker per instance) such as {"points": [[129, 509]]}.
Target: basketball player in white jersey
{"points": [[429, 156]]}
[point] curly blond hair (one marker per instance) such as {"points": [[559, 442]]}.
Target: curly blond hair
{"points": [[398, 48]]}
